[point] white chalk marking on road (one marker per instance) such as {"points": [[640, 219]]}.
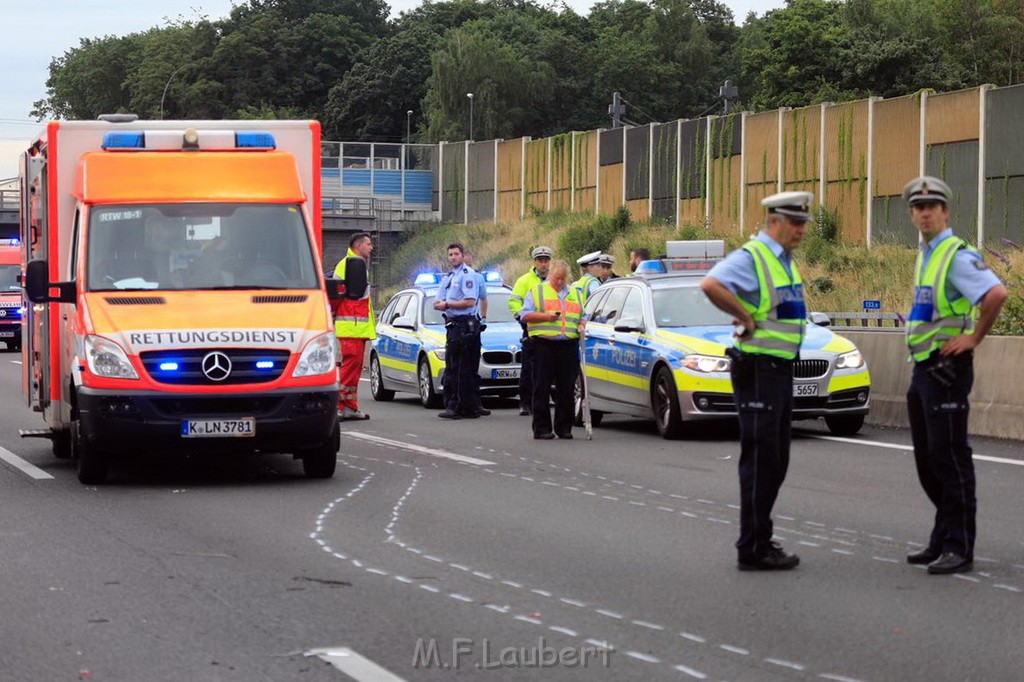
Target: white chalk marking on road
{"points": [[430, 588], [837, 678], [461, 597], [1011, 588], [968, 578], [417, 448], [25, 467], [650, 626], [542, 593], [809, 544], [610, 614], [885, 559], [642, 657], [355, 666], [784, 664], [688, 514], [15, 362], [527, 619], [512, 583], [693, 638], [691, 672], [897, 446], [377, 571], [734, 649], [499, 609], [403, 579], [564, 631], [843, 552], [572, 602]]}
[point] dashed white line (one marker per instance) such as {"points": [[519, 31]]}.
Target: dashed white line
{"points": [[642, 657], [355, 666], [784, 664], [896, 446], [610, 614], [564, 631], [527, 619], [696, 674], [693, 638], [430, 588], [734, 649], [649, 626]]}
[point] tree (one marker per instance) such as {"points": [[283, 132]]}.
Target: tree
{"points": [[90, 79]]}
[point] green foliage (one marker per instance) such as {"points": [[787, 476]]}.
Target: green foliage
{"points": [[597, 234], [692, 231], [823, 285]]}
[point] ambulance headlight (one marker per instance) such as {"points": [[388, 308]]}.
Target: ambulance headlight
{"points": [[107, 359], [318, 357], [850, 360], [706, 363]]}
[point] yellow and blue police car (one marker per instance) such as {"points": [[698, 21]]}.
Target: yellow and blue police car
{"points": [[408, 354], [655, 348]]}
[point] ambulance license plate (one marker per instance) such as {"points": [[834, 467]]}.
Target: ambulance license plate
{"points": [[244, 427], [804, 390], [505, 373], [7, 334]]}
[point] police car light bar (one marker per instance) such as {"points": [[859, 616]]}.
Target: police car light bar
{"points": [[492, 276], [695, 248], [176, 140], [426, 279]]}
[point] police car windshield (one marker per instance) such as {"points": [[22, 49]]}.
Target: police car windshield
{"points": [[497, 308], [685, 306], [9, 277], [199, 246]]}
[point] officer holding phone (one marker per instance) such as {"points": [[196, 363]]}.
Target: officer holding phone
{"points": [[760, 285], [951, 283]]}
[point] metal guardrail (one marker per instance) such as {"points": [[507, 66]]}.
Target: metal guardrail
{"points": [[890, 322], [10, 199]]}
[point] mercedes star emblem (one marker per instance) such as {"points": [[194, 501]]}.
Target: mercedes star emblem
{"points": [[216, 366]]}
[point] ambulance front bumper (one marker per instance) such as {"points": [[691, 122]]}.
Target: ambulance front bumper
{"points": [[151, 422]]}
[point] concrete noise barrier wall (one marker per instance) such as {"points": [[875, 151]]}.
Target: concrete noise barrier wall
{"points": [[997, 402]]}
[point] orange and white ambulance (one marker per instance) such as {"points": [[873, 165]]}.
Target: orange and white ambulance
{"points": [[11, 306], [177, 301]]}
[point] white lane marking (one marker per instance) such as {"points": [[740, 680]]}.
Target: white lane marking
{"points": [[355, 666], [564, 631], [643, 657], [693, 638], [784, 664], [896, 446], [417, 448], [27, 468], [15, 362], [734, 649], [691, 672]]}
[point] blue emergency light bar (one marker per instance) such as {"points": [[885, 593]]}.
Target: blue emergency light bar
{"points": [[677, 266], [426, 279], [168, 367], [492, 276], [13, 241], [175, 140]]}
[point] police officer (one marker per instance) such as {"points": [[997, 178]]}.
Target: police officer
{"points": [[552, 313], [596, 267], [951, 279], [457, 298], [481, 288], [759, 284], [637, 256], [538, 273]]}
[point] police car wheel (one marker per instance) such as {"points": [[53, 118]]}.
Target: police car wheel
{"points": [[322, 461], [595, 415], [665, 403], [428, 396], [377, 390], [844, 424], [91, 462]]}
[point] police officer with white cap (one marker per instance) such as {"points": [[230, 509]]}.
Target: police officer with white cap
{"points": [[760, 285], [951, 280], [595, 269], [538, 274]]}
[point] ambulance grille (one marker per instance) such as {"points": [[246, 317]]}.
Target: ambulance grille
{"points": [[291, 298], [187, 365], [810, 369], [135, 300]]}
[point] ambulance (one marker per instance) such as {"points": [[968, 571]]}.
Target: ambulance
{"points": [[177, 301], [11, 307]]}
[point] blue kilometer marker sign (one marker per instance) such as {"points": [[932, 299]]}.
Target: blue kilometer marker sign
{"points": [[872, 305]]}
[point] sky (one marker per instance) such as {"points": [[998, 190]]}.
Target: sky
{"points": [[33, 33]]}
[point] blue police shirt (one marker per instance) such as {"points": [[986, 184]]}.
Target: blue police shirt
{"points": [[968, 274], [530, 307], [456, 286], [736, 271], [481, 284]]}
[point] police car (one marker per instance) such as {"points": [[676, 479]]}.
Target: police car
{"points": [[655, 348], [408, 354]]}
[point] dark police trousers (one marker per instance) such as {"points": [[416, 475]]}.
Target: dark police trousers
{"points": [[937, 405], [526, 373], [462, 362], [763, 391], [558, 362]]}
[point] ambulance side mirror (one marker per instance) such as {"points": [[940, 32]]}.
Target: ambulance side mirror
{"points": [[38, 285]]}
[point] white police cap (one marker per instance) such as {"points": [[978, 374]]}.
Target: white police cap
{"points": [[793, 205], [542, 252], [590, 259], [606, 259], [926, 188]]}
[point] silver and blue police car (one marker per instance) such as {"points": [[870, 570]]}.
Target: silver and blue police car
{"points": [[655, 348], [408, 354]]}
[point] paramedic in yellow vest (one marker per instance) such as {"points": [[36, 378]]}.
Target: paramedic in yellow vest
{"points": [[760, 286], [538, 273], [951, 283], [553, 317], [354, 325]]}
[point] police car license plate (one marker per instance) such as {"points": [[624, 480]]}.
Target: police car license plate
{"points": [[244, 427], [804, 390], [505, 373]]}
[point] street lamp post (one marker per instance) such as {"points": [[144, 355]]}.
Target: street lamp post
{"points": [[169, 79], [470, 96], [408, 138]]}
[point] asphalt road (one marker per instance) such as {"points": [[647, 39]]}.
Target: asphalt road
{"points": [[475, 549]]}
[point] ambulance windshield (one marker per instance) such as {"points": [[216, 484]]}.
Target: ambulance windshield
{"points": [[9, 278], [199, 246]]}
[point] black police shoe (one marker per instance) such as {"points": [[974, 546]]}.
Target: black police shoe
{"points": [[448, 414], [775, 560], [950, 563], [483, 412], [525, 411], [925, 556], [567, 436], [543, 436]]}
